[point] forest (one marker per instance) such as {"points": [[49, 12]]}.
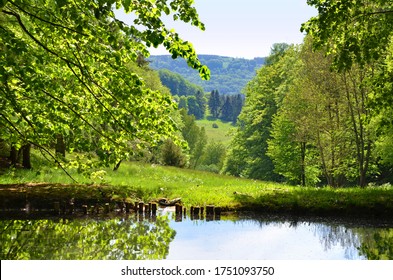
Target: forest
{"points": [[228, 75], [95, 134], [314, 114], [319, 117]]}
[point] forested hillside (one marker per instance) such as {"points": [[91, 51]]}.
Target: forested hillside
{"points": [[306, 124], [228, 75]]}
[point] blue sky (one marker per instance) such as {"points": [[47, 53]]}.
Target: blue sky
{"points": [[244, 28], [241, 28]]}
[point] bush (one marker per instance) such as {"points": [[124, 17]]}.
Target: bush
{"points": [[215, 125], [172, 155]]}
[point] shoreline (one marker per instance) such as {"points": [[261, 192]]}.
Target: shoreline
{"points": [[18, 199]]}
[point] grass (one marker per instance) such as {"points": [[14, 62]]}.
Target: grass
{"points": [[138, 181], [220, 134]]}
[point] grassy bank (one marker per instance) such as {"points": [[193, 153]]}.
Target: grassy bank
{"points": [[136, 181]]}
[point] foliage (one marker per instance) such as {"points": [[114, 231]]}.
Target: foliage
{"points": [[377, 246], [66, 68], [354, 32], [214, 103], [247, 156], [195, 137], [214, 155], [177, 84], [193, 108], [228, 75], [308, 123], [358, 36], [111, 239], [172, 155]]}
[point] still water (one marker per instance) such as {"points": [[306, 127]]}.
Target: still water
{"points": [[232, 237]]}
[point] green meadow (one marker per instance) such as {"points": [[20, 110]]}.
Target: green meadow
{"points": [[136, 181], [222, 133]]}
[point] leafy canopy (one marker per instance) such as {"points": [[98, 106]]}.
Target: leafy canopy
{"points": [[66, 69], [353, 31]]}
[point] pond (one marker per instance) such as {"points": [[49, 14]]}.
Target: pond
{"points": [[241, 237]]}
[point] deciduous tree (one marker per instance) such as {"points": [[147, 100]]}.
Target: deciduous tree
{"points": [[64, 70]]}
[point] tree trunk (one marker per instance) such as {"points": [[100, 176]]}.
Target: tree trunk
{"points": [[26, 163], [13, 156], [117, 165], [60, 145], [303, 163]]}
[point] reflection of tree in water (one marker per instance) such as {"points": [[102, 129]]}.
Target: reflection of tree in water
{"points": [[333, 235], [372, 243], [330, 235], [113, 239], [377, 245]]}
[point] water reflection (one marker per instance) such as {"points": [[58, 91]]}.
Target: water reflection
{"points": [[85, 239], [244, 237], [276, 238]]}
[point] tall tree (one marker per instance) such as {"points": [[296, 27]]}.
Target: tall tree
{"points": [[247, 155], [64, 70], [214, 103], [237, 105], [227, 109], [201, 100]]}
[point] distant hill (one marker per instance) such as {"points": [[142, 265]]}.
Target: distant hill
{"points": [[228, 75]]}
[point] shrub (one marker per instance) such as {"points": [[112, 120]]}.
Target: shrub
{"points": [[172, 155]]}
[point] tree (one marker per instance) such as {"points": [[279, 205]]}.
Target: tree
{"points": [[322, 124], [247, 155], [227, 110], [201, 100], [172, 154], [214, 103], [64, 70], [193, 107], [287, 154], [183, 103], [194, 136], [237, 105], [352, 31], [214, 155]]}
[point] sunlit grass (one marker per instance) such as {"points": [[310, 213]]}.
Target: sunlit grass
{"points": [[221, 134], [148, 182]]}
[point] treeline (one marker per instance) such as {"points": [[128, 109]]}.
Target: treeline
{"points": [[192, 98], [226, 108], [223, 107], [177, 84], [306, 124], [228, 75]]}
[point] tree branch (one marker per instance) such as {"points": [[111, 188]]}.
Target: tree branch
{"points": [[46, 21], [37, 145], [79, 116], [17, 16]]}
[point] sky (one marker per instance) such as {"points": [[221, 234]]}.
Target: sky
{"points": [[241, 28], [244, 28]]}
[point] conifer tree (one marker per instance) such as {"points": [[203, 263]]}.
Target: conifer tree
{"points": [[214, 103]]}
